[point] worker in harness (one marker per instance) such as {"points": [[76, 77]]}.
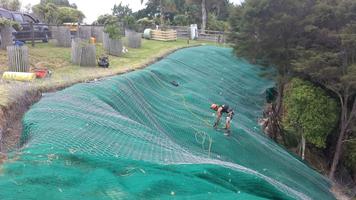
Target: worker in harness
{"points": [[219, 112]]}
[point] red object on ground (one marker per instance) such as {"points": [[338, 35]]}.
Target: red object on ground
{"points": [[41, 73]]}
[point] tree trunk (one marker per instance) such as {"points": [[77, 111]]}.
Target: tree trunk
{"points": [[337, 154], [203, 17], [279, 100], [303, 147], [346, 118], [161, 11], [276, 113]]}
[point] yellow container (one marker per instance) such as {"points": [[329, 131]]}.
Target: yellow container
{"points": [[92, 40], [19, 76]]}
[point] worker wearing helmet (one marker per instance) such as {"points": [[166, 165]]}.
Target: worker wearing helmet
{"points": [[219, 111]]}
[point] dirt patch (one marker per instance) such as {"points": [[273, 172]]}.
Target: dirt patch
{"points": [[10, 119], [339, 193]]}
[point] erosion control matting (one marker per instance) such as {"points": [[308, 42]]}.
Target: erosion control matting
{"points": [[148, 135]]}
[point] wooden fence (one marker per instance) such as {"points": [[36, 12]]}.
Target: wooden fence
{"points": [[6, 36], [183, 32], [133, 39], [18, 58], [85, 32], [112, 47], [63, 37], [97, 32], [169, 35], [214, 36], [83, 53]]}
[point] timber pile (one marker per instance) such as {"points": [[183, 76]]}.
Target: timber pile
{"points": [[169, 35]]}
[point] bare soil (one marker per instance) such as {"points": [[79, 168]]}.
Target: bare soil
{"points": [[10, 119]]}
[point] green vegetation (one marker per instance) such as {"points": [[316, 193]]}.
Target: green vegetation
{"points": [[105, 19], [313, 40], [67, 14], [64, 73], [113, 30], [350, 154], [215, 24], [310, 113], [121, 11], [13, 5], [57, 12], [6, 22], [209, 14]]}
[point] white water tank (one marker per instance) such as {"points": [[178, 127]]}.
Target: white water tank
{"points": [[193, 31], [147, 33]]}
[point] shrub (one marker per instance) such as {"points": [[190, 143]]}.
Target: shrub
{"points": [[217, 25], [181, 20], [113, 30], [146, 23], [310, 112], [6, 22]]}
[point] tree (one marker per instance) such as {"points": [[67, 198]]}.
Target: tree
{"points": [[121, 11], [7, 22], [327, 69], [215, 24], [105, 19], [48, 13], [68, 14], [311, 39], [309, 113], [180, 20], [64, 3], [331, 61], [57, 12], [113, 29], [350, 153], [203, 15], [164, 9], [130, 23], [218, 8], [267, 32], [13, 5], [193, 13], [145, 22]]}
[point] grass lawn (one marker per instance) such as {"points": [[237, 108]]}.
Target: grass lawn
{"points": [[57, 59]]}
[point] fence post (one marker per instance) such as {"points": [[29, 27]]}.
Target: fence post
{"points": [[113, 47], [133, 39], [63, 37], [88, 57], [97, 32], [18, 58], [6, 36], [32, 34], [83, 54], [78, 28]]}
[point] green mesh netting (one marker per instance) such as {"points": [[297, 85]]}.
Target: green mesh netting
{"points": [[137, 136]]}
